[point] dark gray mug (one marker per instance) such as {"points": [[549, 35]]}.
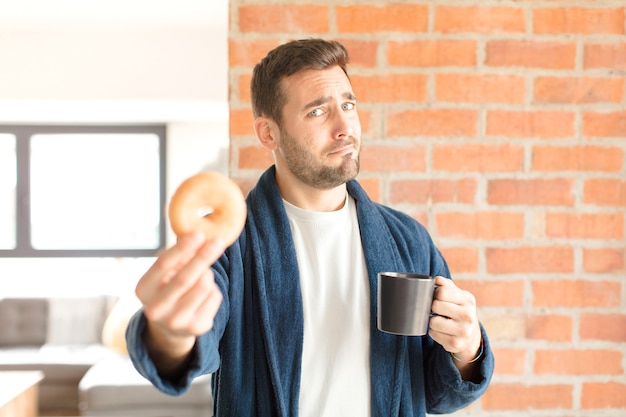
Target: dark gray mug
{"points": [[404, 302]]}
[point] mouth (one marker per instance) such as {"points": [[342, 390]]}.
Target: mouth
{"points": [[343, 150]]}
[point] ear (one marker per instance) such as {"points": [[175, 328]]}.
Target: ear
{"points": [[267, 132]]}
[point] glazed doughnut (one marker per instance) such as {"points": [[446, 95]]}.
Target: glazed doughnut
{"points": [[211, 203]]}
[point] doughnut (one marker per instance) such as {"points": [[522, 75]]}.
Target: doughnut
{"points": [[211, 203]]}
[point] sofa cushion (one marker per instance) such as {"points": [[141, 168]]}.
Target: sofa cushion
{"points": [[55, 321], [114, 385], [24, 321], [114, 329], [77, 321], [58, 363]]}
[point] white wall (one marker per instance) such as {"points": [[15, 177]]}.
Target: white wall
{"points": [[103, 63]]}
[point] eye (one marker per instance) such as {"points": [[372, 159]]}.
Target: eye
{"points": [[316, 112], [348, 106]]}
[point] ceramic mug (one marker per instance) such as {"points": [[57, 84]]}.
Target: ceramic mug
{"points": [[404, 302]]}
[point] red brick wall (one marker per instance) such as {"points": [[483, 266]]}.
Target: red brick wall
{"points": [[502, 127]]}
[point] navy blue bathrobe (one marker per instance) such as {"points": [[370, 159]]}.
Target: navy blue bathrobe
{"points": [[255, 347]]}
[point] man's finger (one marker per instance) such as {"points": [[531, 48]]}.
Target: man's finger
{"points": [[168, 264]]}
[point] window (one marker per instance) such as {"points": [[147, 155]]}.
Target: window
{"points": [[95, 191], [7, 191]]}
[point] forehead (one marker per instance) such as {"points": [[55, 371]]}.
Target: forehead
{"points": [[308, 85]]}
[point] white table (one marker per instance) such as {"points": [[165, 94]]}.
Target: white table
{"points": [[18, 393]]}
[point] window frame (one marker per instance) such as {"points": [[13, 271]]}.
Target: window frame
{"points": [[23, 134]]}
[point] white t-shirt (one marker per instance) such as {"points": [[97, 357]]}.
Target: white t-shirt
{"points": [[335, 293]]}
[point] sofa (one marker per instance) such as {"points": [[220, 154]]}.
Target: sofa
{"points": [[78, 344], [58, 336]]}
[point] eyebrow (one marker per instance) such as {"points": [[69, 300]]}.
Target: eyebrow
{"points": [[318, 102]]}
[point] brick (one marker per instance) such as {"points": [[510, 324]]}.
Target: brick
{"points": [[504, 326], [433, 191], [479, 19], [578, 90], [578, 362], [371, 185], [379, 158], [483, 88], [607, 327], [288, 18], [531, 124], [365, 117], [597, 395], [604, 260], [604, 226], [248, 52], [482, 225], [244, 88], [241, 122], [254, 157], [460, 260], [549, 327], [363, 53], [356, 18], [604, 192], [531, 192], [604, 125], [245, 184], [530, 54], [610, 56], [517, 396], [510, 361], [389, 88], [493, 293], [432, 53], [420, 216], [432, 122], [576, 294], [530, 259], [478, 158], [535, 221], [578, 20], [577, 158], [515, 327]]}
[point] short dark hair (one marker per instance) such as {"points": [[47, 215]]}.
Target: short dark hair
{"points": [[287, 59]]}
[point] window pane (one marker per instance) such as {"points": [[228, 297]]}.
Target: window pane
{"points": [[95, 191], [7, 191]]}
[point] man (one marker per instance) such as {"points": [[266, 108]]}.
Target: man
{"points": [[285, 318]]}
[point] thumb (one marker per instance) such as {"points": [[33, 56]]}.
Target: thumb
{"points": [[443, 281]]}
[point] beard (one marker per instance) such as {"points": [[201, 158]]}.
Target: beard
{"points": [[310, 170]]}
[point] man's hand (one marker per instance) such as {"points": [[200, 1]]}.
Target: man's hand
{"points": [[456, 326], [180, 300]]}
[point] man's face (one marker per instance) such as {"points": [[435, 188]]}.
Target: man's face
{"points": [[320, 137]]}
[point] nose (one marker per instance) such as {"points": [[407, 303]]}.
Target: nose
{"points": [[346, 124]]}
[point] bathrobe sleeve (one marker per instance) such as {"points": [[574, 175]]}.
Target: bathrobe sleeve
{"points": [[205, 355]]}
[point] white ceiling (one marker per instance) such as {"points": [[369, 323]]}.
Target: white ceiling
{"points": [[115, 12], [173, 54]]}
